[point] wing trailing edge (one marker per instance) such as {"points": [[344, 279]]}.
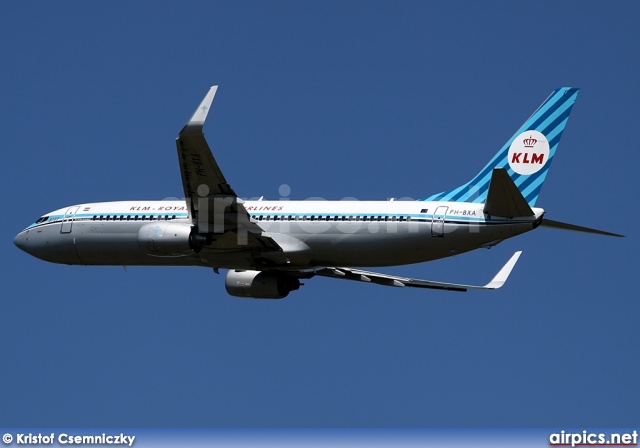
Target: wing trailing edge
{"points": [[391, 280]]}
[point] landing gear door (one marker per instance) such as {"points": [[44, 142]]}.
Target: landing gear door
{"points": [[67, 220], [437, 223]]}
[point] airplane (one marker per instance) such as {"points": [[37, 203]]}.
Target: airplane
{"points": [[268, 247]]}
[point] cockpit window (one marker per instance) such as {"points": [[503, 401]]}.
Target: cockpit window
{"points": [[42, 219]]}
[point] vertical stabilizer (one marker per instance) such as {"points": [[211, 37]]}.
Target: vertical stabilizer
{"points": [[526, 156]]}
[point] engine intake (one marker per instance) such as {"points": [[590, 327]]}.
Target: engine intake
{"points": [[260, 285]]}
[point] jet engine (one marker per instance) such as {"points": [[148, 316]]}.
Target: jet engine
{"points": [[260, 285], [170, 239]]}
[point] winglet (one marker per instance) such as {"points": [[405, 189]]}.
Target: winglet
{"points": [[194, 125], [501, 277]]}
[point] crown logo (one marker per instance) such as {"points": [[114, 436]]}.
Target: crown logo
{"points": [[529, 142]]}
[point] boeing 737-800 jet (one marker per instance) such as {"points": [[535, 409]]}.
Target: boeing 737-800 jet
{"points": [[269, 246]]}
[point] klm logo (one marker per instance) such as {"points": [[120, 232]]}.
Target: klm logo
{"points": [[535, 158], [528, 153]]}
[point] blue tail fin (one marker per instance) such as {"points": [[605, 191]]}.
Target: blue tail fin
{"points": [[526, 156]]}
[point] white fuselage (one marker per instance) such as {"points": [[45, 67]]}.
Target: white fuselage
{"points": [[330, 233]]}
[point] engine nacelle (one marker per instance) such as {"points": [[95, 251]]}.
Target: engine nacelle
{"points": [[165, 238], [260, 285]]}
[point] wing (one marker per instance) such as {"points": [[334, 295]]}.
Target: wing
{"points": [[213, 205], [201, 175], [392, 280]]}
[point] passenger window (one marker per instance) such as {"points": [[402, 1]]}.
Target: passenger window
{"points": [[173, 217], [393, 218]]}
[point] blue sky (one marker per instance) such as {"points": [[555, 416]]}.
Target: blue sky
{"points": [[335, 99]]}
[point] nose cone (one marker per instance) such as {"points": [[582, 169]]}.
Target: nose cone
{"points": [[48, 244], [21, 241]]}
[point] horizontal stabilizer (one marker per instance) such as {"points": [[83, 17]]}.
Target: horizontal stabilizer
{"points": [[565, 226], [504, 198], [393, 280]]}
